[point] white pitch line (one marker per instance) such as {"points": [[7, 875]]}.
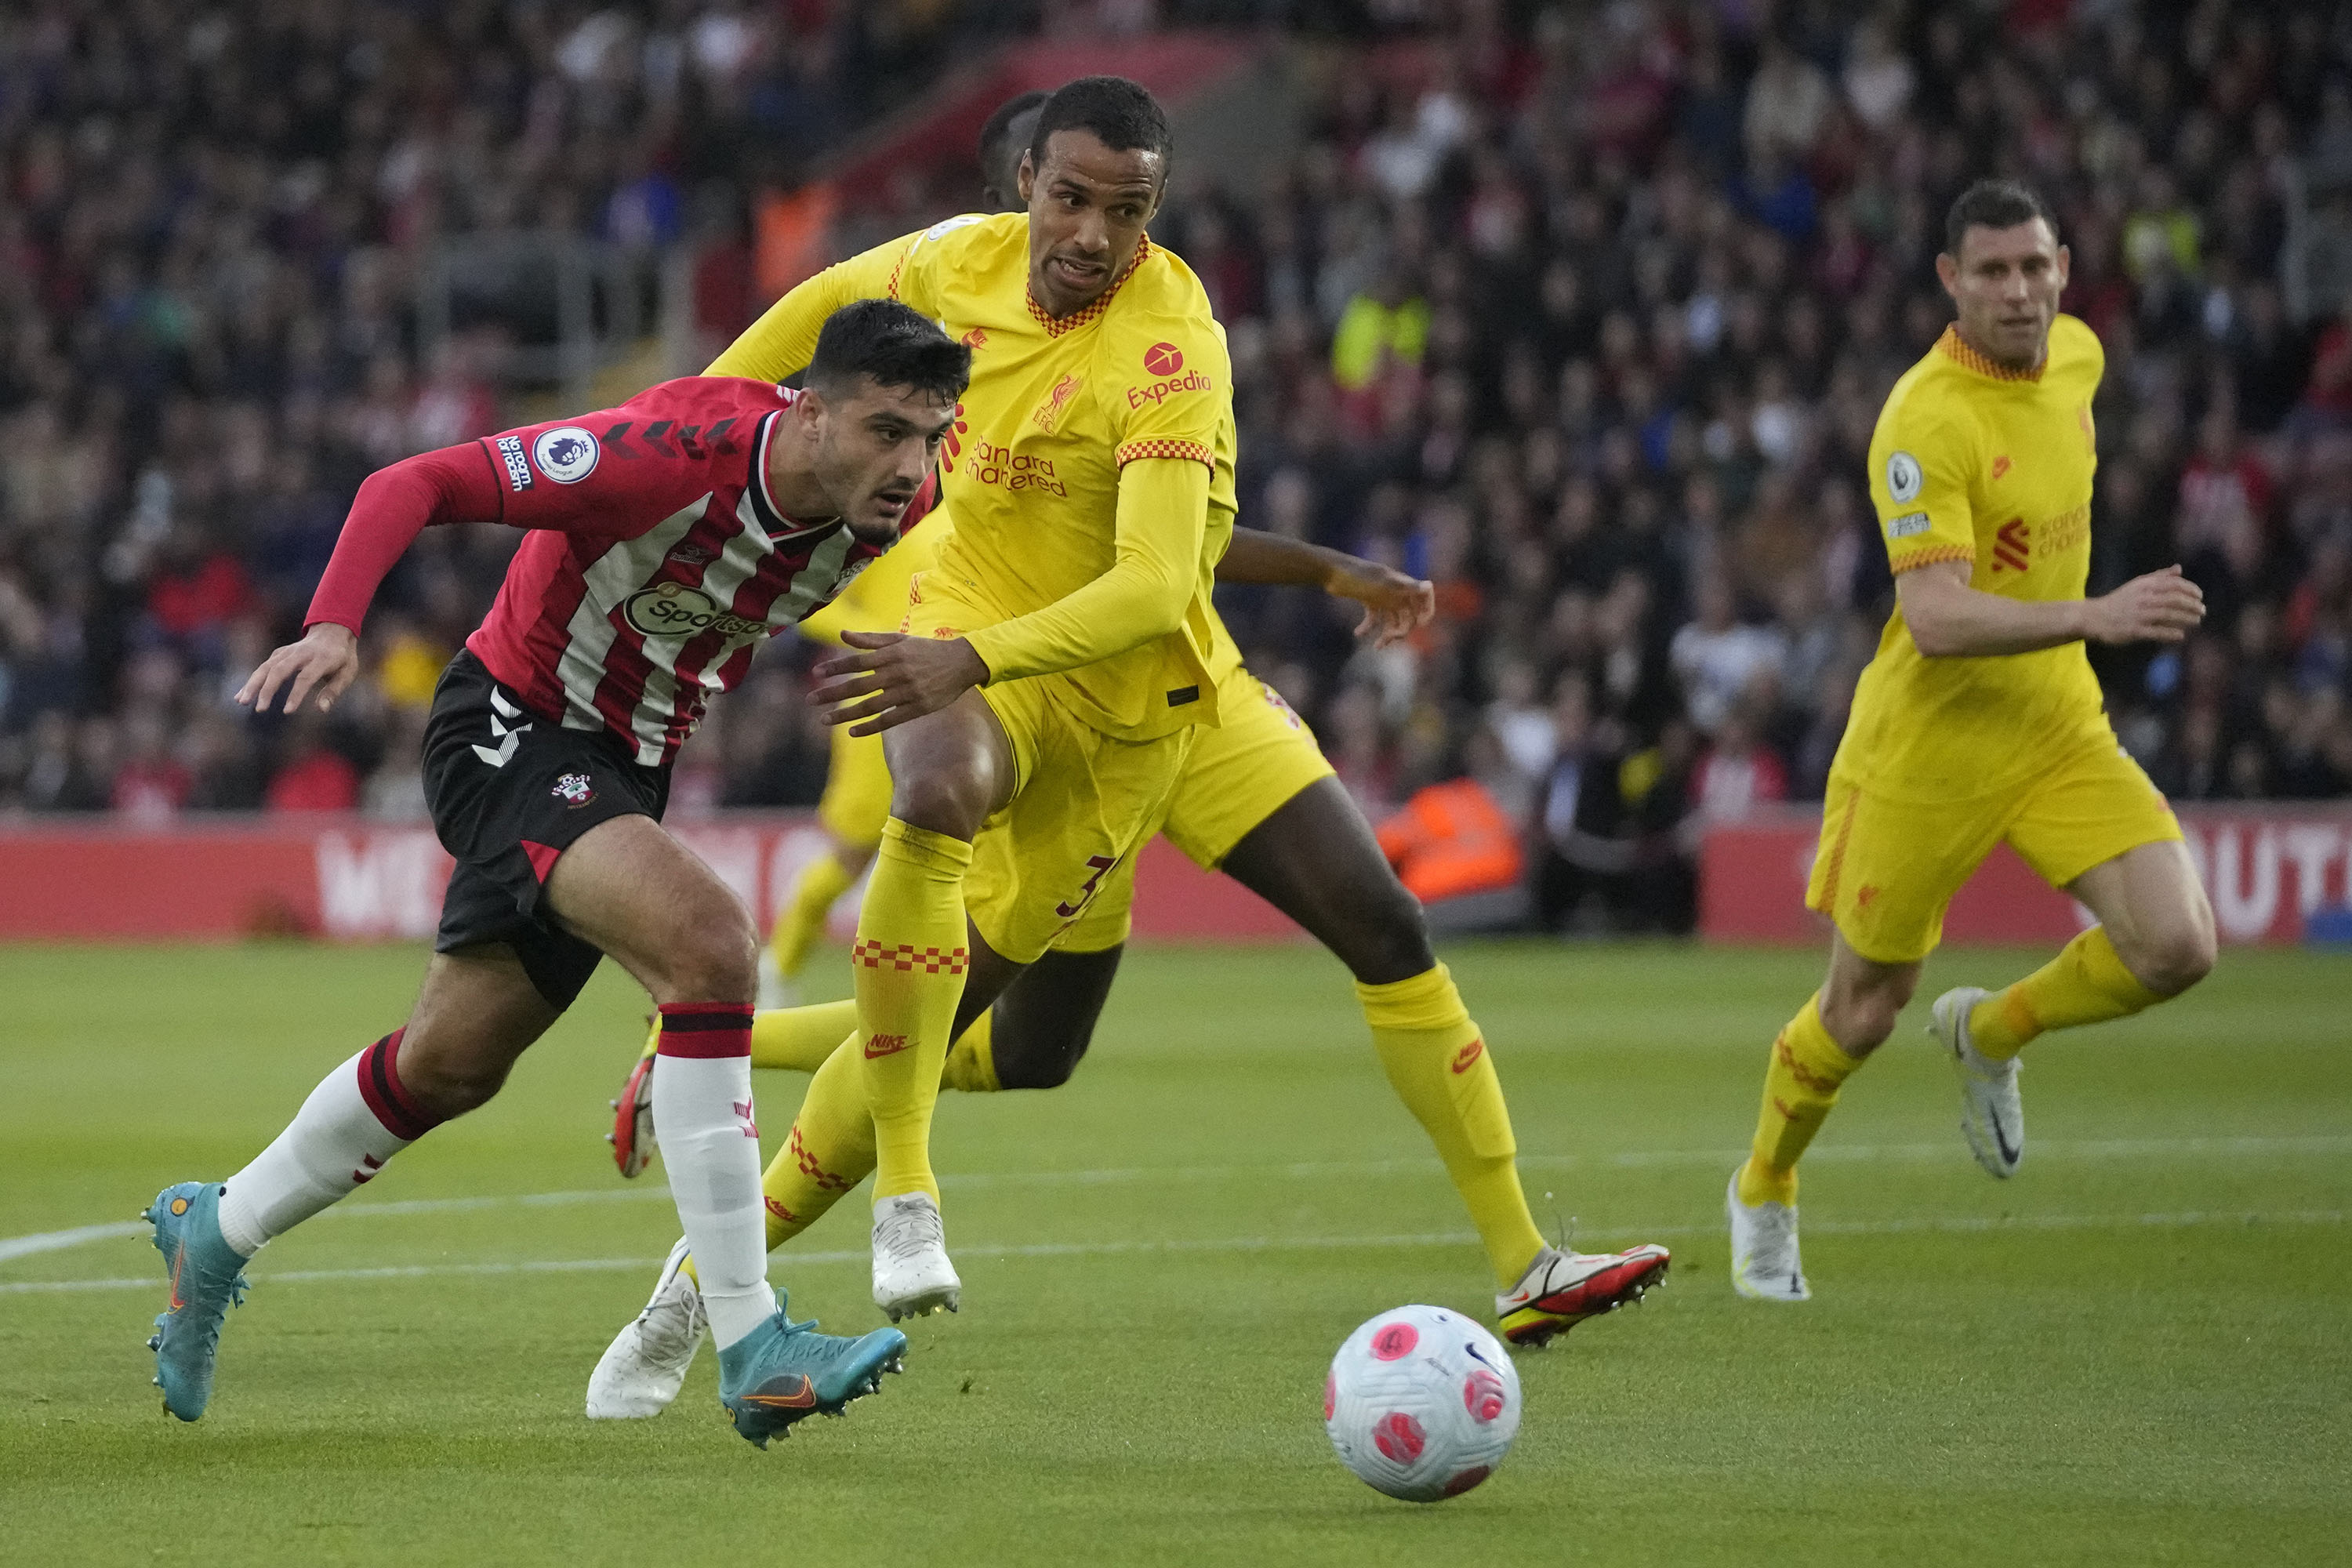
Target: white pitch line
{"points": [[58, 1240], [1967, 1223], [1627, 1159]]}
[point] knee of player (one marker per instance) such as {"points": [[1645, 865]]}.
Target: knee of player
{"points": [[1385, 936], [715, 959], [1037, 1059], [2171, 962], [1861, 1022], [1043, 1070], [448, 1088], [949, 799]]}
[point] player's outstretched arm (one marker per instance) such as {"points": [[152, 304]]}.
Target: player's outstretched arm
{"points": [[393, 507], [1948, 619], [1395, 603], [1163, 513]]}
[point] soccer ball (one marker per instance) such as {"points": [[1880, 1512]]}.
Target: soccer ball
{"points": [[1422, 1404]]}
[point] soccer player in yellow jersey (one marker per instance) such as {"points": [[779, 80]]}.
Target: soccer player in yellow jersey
{"points": [[1979, 722], [1257, 801], [1052, 668], [857, 800]]}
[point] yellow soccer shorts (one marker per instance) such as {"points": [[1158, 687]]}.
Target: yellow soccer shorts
{"points": [[1260, 756], [1241, 772], [1083, 803], [1887, 867]]}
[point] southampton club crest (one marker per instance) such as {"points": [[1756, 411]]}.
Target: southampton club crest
{"points": [[573, 790]]}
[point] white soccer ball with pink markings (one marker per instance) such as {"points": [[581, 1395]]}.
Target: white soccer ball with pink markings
{"points": [[1422, 1404]]}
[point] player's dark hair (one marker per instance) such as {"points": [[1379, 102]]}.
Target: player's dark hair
{"points": [[1992, 204], [1121, 114], [894, 344], [1000, 163]]}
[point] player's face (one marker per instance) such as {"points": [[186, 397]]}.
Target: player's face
{"points": [[2006, 283], [1087, 206], [874, 450]]}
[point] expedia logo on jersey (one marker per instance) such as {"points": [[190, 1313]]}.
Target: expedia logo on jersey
{"points": [[518, 468], [1159, 392], [680, 610]]}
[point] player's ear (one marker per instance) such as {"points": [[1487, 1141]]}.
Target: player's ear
{"points": [[1947, 273], [2065, 266], [1027, 178]]}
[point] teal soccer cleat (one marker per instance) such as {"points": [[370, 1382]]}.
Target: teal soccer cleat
{"points": [[783, 1372], [207, 1281]]}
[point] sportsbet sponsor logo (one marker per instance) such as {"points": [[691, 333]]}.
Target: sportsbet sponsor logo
{"points": [[678, 610]]}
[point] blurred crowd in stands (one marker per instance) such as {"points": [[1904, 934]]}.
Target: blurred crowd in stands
{"points": [[1582, 312]]}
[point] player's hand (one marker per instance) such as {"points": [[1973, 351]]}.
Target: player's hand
{"points": [[901, 678], [324, 662], [2162, 606], [1394, 603]]}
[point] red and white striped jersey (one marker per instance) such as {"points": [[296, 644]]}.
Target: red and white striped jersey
{"points": [[655, 564]]}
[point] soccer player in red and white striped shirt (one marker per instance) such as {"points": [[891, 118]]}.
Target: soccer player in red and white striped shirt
{"points": [[667, 538]]}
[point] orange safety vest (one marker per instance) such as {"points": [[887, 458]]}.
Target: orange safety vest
{"points": [[1451, 840]]}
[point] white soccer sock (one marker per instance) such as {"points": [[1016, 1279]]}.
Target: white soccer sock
{"points": [[358, 1118], [711, 1147]]}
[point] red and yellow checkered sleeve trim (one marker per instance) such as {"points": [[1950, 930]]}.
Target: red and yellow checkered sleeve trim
{"points": [[1929, 555], [1196, 451]]}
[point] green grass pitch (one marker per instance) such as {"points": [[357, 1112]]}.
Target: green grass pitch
{"points": [[2139, 1350]]}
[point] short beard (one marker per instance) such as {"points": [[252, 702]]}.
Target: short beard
{"points": [[884, 534]]}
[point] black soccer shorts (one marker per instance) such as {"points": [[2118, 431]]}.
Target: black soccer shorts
{"points": [[509, 790]]}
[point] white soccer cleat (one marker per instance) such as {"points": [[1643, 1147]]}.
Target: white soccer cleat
{"points": [[912, 1275], [642, 1370], [1992, 1113], [776, 990], [1764, 1262]]}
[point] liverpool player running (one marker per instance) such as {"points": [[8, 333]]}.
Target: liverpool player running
{"points": [[1979, 721], [1257, 800], [668, 537], [857, 800]]}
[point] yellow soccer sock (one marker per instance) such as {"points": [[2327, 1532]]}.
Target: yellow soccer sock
{"points": [[971, 1060], [2085, 983], [828, 1151], [800, 1040], [800, 922], [909, 965], [1439, 1066], [1800, 1085]]}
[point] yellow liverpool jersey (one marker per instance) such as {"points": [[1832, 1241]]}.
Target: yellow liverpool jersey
{"points": [[1056, 412], [1970, 462]]}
